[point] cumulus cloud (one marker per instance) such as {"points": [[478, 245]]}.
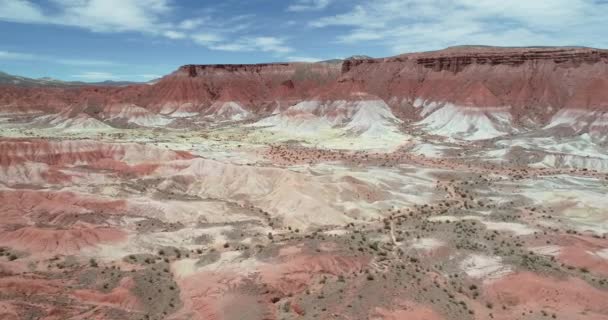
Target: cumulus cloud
{"points": [[411, 25], [308, 5]]}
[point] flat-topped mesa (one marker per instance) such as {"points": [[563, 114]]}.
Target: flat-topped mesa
{"points": [[194, 70], [257, 80], [534, 82], [455, 62], [348, 64], [258, 88], [283, 69], [455, 59]]}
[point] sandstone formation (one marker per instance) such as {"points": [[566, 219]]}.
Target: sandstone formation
{"points": [[463, 184]]}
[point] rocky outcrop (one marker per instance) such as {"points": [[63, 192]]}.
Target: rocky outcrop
{"points": [[256, 86], [456, 59], [534, 83]]}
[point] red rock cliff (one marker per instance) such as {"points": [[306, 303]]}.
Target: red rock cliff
{"points": [[534, 82]]}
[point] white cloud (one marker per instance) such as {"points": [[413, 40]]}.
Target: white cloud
{"points": [[270, 44], [190, 24], [94, 15], [412, 25], [303, 59], [264, 44], [7, 55], [115, 15], [96, 76], [152, 17], [235, 47], [20, 11], [83, 62], [206, 38], [359, 15], [147, 77], [308, 5], [174, 34]]}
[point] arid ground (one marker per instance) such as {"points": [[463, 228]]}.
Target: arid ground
{"points": [[319, 210]]}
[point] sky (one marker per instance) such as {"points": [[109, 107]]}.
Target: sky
{"points": [[139, 40]]}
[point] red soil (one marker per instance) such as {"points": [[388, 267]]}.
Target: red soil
{"points": [[406, 310], [202, 294], [20, 160], [45, 241], [18, 151], [124, 169], [296, 272], [8, 311], [23, 295], [120, 297], [524, 292], [61, 208], [23, 287], [579, 251], [49, 223], [206, 294]]}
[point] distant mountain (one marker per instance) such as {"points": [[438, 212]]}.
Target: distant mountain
{"points": [[9, 79]]}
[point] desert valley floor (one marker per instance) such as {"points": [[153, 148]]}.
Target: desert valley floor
{"points": [[322, 209], [238, 222]]}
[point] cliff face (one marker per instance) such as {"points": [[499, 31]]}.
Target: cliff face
{"points": [[197, 87], [456, 60], [531, 81], [534, 82], [256, 86]]}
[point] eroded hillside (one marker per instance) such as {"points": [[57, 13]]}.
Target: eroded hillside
{"points": [[467, 183]]}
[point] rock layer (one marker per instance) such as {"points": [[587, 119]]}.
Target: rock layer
{"points": [[534, 82]]}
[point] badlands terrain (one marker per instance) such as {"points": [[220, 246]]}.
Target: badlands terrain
{"points": [[466, 183]]}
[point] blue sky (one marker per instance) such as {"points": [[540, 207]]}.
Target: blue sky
{"points": [[94, 40]]}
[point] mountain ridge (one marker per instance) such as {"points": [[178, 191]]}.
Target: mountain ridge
{"points": [[533, 83]]}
